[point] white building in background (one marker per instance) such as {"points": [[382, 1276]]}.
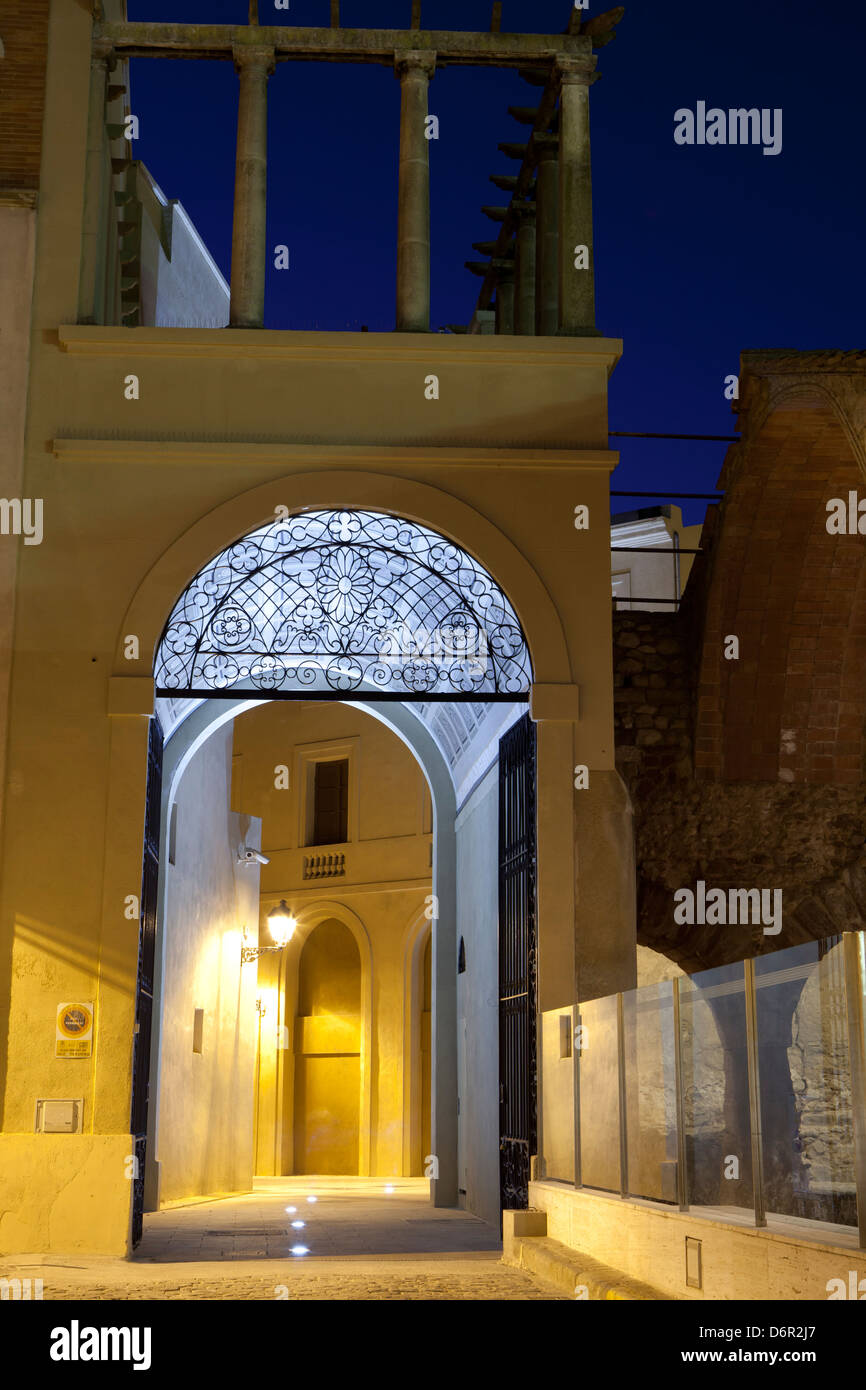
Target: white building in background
{"points": [[180, 284], [648, 557]]}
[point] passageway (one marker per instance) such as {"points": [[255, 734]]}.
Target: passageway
{"points": [[350, 1217]]}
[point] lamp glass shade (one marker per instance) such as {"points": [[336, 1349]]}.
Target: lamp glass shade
{"points": [[281, 923]]}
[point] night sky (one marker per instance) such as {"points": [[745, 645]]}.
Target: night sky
{"points": [[701, 252]]}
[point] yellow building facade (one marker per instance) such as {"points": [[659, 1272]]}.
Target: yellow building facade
{"points": [[153, 450]]}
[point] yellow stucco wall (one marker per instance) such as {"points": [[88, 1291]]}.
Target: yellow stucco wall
{"points": [[60, 1192]]}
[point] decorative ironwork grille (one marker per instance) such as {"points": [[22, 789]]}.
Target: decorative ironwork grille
{"points": [[517, 962], [335, 601], [146, 959]]}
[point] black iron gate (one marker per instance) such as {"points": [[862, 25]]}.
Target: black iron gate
{"points": [[146, 957], [517, 962]]}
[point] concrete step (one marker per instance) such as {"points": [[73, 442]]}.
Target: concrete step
{"points": [[570, 1270]]}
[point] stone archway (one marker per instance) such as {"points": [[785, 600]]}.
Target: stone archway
{"points": [[554, 703], [298, 607]]}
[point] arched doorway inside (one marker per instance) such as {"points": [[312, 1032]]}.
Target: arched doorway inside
{"points": [[327, 1099], [311, 610]]}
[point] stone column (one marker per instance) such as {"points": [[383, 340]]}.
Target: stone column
{"points": [[505, 298], [254, 66], [576, 286], [547, 236], [95, 218], [414, 69], [524, 296]]}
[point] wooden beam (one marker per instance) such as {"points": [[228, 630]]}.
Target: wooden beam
{"points": [[216, 41], [335, 14], [416, 14], [254, 13], [496, 18]]}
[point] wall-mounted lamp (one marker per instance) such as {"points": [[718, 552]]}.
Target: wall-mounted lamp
{"points": [[282, 924]]}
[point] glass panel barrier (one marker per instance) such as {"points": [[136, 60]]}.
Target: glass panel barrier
{"points": [[716, 1091], [678, 1110], [651, 1091], [598, 1060], [805, 1083]]}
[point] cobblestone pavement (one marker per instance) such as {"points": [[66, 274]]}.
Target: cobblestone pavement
{"points": [[331, 1279], [367, 1239]]}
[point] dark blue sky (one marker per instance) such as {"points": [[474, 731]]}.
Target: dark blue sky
{"points": [[701, 252]]}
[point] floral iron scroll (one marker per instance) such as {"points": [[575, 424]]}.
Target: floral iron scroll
{"points": [[338, 601]]}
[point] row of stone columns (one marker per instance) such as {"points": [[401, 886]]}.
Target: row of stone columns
{"points": [[548, 287], [545, 293]]}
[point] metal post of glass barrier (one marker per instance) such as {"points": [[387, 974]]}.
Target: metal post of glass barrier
{"points": [[855, 990], [754, 1094], [577, 1044], [679, 1082], [623, 1135]]}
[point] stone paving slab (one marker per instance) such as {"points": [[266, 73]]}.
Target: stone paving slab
{"points": [[359, 1216]]}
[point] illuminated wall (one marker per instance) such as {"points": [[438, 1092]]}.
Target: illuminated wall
{"points": [[205, 1129]]}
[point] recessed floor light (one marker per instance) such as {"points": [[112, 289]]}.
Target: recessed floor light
{"points": [[300, 1250]]}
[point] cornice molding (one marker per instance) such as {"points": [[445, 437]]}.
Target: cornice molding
{"points": [[435, 350], [380, 458], [784, 360]]}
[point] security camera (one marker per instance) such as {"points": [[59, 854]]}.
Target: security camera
{"points": [[251, 856]]}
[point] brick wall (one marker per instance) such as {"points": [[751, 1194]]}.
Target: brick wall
{"points": [[792, 708], [749, 773], [24, 31]]}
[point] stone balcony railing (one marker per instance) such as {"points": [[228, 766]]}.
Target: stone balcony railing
{"points": [[324, 865]]}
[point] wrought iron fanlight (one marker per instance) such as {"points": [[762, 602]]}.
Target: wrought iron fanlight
{"points": [[341, 601]]}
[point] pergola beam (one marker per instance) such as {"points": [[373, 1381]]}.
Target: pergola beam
{"points": [[589, 34], [546, 111], [217, 41]]}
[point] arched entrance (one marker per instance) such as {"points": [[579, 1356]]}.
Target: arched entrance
{"points": [[327, 605]]}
